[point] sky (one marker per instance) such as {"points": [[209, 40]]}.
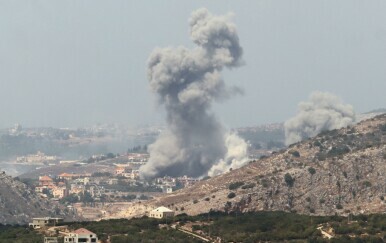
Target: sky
{"points": [[74, 63]]}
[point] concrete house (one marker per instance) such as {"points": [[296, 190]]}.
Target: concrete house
{"points": [[161, 212], [38, 223], [81, 235]]}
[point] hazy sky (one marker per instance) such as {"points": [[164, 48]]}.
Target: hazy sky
{"points": [[81, 62]]}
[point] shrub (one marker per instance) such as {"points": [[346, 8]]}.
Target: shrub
{"points": [[367, 184], [317, 143], [321, 156], [339, 206], [231, 195], [321, 201], [195, 201], [382, 198], [289, 180], [294, 153], [311, 170], [252, 185], [235, 185], [264, 183], [336, 151]]}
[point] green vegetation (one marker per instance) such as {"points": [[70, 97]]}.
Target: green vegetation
{"points": [[135, 230], [252, 185], [231, 195], [336, 151], [294, 153], [289, 180], [281, 226], [367, 184], [235, 185], [232, 227], [311, 170], [138, 149], [18, 234]]}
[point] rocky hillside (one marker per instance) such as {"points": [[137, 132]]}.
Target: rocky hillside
{"points": [[18, 203], [341, 171]]}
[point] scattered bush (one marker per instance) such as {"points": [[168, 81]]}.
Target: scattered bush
{"points": [[231, 195], [336, 151], [195, 201], [321, 156], [289, 180], [252, 185], [367, 184], [264, 183], [311, 170], [235, 185], [339, 206], [294, 153], [317, 143]]}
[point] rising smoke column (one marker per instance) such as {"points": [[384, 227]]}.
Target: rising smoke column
{"points": [[324, 111], [187, 82]]}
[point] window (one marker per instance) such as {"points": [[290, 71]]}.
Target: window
{"points": [[93, 240]]}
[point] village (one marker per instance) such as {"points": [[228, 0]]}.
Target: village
{"points": [[96, 195]]}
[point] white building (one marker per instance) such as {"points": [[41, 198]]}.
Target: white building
{"points": [[161, 212], [81, 235]]}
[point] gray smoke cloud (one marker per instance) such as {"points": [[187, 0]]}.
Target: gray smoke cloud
{"points": [[324, 111], [187, 82]]}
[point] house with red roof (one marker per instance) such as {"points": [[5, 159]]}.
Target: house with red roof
{"points": [[45, 181], [81, 235]]}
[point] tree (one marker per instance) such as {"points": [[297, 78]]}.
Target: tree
{"points": [[312, 171], [289, 180]]}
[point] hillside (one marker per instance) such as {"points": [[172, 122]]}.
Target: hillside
{"points": [[18, 203], [340, 171]]}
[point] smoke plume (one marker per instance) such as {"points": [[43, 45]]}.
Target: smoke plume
{"points": [[324, 111], [187, 82]]}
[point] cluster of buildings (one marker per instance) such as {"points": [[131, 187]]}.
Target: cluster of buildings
{"points": [[127, 171], [106, 184], [63, 185], [48, 226], [167, 183]]}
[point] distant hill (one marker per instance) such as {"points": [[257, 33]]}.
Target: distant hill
{"points": [[341, 171], [18, 203]]}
